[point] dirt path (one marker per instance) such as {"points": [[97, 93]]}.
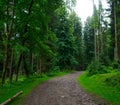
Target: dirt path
{"points": [[62, 91]]}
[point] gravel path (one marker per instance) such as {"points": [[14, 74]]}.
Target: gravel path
{"points": [[62, 91]]}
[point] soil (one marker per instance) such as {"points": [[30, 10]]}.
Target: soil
{"points": [[63, 90]]}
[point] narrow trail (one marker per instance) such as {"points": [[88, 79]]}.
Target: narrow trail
{"points": [[63, 90]]}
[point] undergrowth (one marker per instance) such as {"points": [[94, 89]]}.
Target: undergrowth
{"points": [[26, 85], [106, 85]]}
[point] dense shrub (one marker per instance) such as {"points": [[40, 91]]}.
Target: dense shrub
{"points": [[53, 71], [115, 65], [96, 68]]}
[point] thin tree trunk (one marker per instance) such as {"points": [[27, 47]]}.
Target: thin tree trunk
{"points": [[101, 39], [116, 39], [98, 46], [18, 66], [6, 52], [95, 42], [100, 26], [25, 66], [40, 67], [37, 65], [32, 61], [5, 65], [11, 68], [9, 34]]}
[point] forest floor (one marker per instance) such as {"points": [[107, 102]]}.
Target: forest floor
{"points": [[63, 90]]}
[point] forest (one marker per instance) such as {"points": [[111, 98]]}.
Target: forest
{"points": [[43, 38]]}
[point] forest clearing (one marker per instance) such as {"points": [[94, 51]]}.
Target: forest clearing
{"points": [[42, 39]]}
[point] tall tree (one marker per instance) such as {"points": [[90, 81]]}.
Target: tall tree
{"points": [[94, 25], [116, 33], [88, 32], [66, 47], [114, 16], [76, 26], [8, 27]]}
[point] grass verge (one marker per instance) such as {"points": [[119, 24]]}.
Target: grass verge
{"points": [[24, 84], [96, 85]]}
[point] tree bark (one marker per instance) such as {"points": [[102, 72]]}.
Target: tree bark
{"points": [[9, 34], [18, 66], [116, 37], [37, 65], [10, 99], [25, 66], [32, 61], [40, 67], [95, 42], [11, 67], [100, 40]]}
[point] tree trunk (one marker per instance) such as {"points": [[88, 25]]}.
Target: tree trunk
{"points": [[12, 98], [40, 67], [18, 66], [11, 68], [23, 42], [95, 39], [37, 65], [5, 65], [116, 39], [32, 61], [25, 66], [9, 34], [100, 30], [98, 46]]}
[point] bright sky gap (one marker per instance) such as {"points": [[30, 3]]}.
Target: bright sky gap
{"points": [[84, 8]]}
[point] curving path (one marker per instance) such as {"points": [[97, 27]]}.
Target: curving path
{"points": [[62, 91]]}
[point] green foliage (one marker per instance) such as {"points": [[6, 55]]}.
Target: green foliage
{"points": [[114, 10], [115, 65], [114, 81], [57, 72], [89, 40], [56, 69], [76, 28], [97, 85], [65, 52], [26, 85], [96, 67], [66, 48]]}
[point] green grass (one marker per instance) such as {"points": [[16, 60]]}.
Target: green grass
{"points": [[96, 85], [24, 84]]}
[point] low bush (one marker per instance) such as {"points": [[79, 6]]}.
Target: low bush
{"points": [[115, 65], [96, 68]]}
